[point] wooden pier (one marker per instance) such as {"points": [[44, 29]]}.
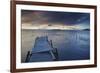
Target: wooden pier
{"points": [[42, 50]]}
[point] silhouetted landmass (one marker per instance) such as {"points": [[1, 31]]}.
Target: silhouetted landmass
{"points": [[86, 29]]}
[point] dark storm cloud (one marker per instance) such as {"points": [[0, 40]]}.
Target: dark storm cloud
{"points": [[34, 17], [53, 17], [67, 18]]}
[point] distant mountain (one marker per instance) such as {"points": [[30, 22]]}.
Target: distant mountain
{"points": [[87, 29]]}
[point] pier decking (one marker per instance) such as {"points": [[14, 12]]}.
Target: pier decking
{"points": [[43, 50]]}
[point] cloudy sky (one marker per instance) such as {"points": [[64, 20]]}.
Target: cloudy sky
{"points": [[32, 19]]}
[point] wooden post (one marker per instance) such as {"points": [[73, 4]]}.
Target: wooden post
{"points": [[27, 57]]}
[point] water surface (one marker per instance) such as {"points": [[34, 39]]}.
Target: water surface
{"points": [[71, 44]]}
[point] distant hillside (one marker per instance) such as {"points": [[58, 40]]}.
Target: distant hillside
{"points": [[87, 29]]}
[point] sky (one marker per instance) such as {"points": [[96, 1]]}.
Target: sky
{"points": [[32, 19]]}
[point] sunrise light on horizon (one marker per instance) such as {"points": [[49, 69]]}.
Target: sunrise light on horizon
{"points": [[49, 20]]}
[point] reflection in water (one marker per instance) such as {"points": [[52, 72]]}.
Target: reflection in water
{"points": [[71, 44]]}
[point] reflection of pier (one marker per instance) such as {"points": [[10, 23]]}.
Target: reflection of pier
{"points": [[43, 50]]}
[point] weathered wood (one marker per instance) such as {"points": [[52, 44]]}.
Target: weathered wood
{"points": [[43, 47], [28, 56]]}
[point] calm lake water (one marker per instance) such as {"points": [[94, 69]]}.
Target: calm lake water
{"points": [[71, 44]]}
